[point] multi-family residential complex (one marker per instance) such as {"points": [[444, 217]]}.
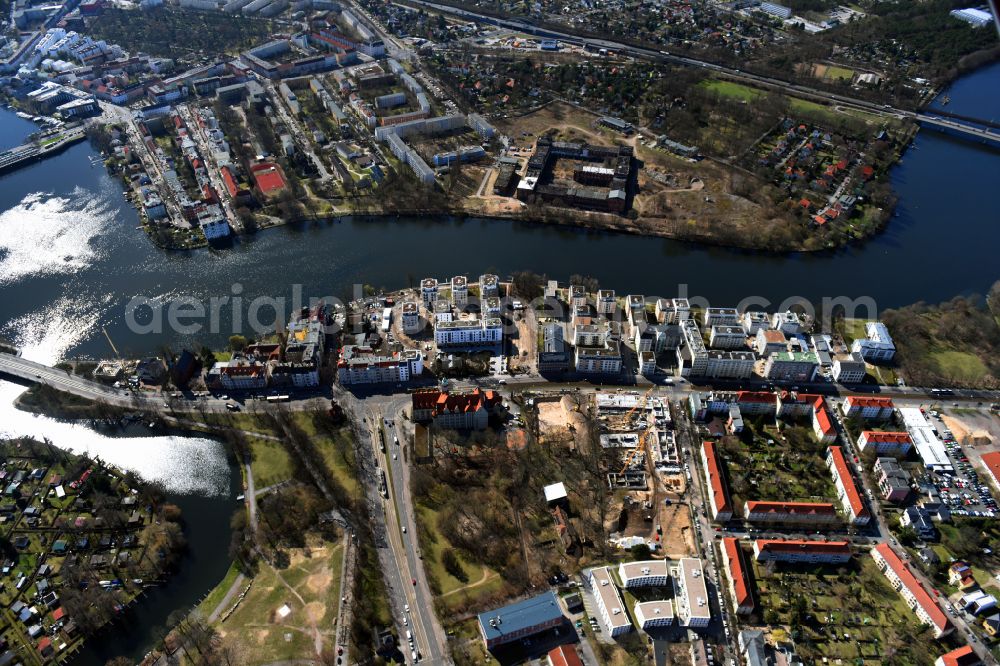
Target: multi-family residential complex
{"points": [[410, 318], [791, 513], [802, 552], [429, 291], [737, 575], [913, 593], [721, 317], [691, 594], [672, 310], [467, 411], [727, 337], [791, 366], [847, 489], [609, 602], [755, 321], [470, 331], [851, 370], [644, 573], [892, 480], [891, 442], [361, 365], [599, 360], [653, 614], [878, 347], [718, 495], [459, 291], [868, 407], [606, 302]]}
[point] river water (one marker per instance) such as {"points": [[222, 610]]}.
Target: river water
{"points": [[71, 258]]}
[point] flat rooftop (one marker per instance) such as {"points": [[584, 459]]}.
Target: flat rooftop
{"points": [[604, 587], [695, 589]]}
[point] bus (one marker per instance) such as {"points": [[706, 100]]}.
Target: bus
{"points": [[278, 398]]}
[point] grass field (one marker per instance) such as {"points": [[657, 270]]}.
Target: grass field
{"points": [[310, 587], [843, 73], [732, 89], [214, 597], [964, 366]]}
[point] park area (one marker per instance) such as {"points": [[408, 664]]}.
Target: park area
{"points": [[781, 464], [846, 614]]}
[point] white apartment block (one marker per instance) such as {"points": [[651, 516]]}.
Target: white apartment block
{"points": [[636, 308], [459, 291], [491, 307], [652, 614], [850, 370], [755, 321], [727, 337], [878, 347], [729, 364], [672, 310], [410, 318], [471, 331], [606, 302], [489, 285], [644, 573], [590, 335], [691, 593], [442, 310], [787, 322], [577, 296], [429, 291], [721, 317], [609, 602], [792, 366], [360, 365]]}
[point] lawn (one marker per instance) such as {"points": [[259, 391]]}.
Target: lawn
{"points": [[218, 593], [964, 366], [310, 587], [849, 613], [834, 72], [271, 463], [732, 89]]}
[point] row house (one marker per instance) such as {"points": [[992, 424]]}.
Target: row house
{"points": [[802, 552], [718, 496], [813, 514], [466, 411], [737, 575], [847, 488], [871, 408], [891, 442], [910, 589]]}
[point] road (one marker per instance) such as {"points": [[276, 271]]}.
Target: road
{"points": [[197, 132], [645, 53]]}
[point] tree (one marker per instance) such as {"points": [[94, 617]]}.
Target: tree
{"points": [[237, 343], [451, 563]]}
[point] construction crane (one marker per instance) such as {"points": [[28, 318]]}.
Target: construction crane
{"points": [[641, 444]]}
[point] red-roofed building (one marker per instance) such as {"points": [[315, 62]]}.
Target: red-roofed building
{"points": [[822, 422], [269, 178], [468, 411], [45, 647], [737, 575], [791, 513], [756, 402], [991, 461], [793, 405], [868, 407], [963, 656], [239, 193], [847, 489], [867, 172], [913, 593], [564, 655], [811, 552], [892, 442], [718, 496], [961, 576]]}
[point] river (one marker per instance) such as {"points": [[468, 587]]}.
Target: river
{"points": [[71, 258]]}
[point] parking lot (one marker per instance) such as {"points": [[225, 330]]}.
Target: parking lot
{"points": [[963, 491]]}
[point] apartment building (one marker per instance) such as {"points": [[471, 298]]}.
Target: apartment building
{"points": [[241, 373], [795, 405], [886, 442], [491, 306], [644, 573], [822, 423], [965, 655], [459, 291], [755, 321], [878, 347], [892, 480], [789, 323], [672, 310], [361, 365], [442, 310], [816, 514], [721, 317], [767, 341], [636, 309], [489, 285], [410, 318], [871, 408], [653, 614], [468, 332], [791, 366], [802, 552], [718, 495], [691, 594], [577, 296], [910, 589], [757, 403], [599, 360], [590, 335], [465, 411], [728, 364], [606, 302], [609, 602], [850, 370], [727, 337], [847, 488], [737, 573], [429, 291]]}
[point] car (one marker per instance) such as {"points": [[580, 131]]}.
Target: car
{"points": [[414, 581], [406, 608], [404, 529]]}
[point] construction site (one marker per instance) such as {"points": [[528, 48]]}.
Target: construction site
{"points": [[644, 471]]}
